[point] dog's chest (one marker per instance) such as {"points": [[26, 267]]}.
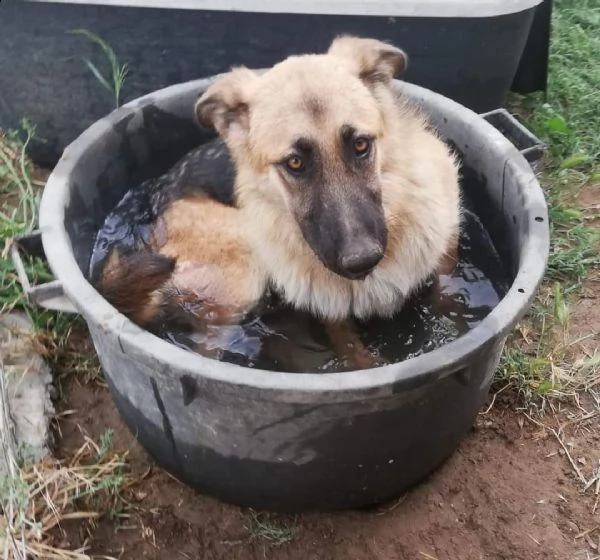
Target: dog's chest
{"points": [[328, 295]]}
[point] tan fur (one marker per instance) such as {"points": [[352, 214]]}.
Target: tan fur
{"points": [[214, 260], [418, 176], [229, 255]]}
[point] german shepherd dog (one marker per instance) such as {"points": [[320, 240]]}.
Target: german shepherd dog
{"points": [[344, 200]]}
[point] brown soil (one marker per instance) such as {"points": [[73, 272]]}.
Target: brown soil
{"points": [[505, 494]]}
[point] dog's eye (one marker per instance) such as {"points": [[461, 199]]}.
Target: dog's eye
{"points": [[362, 147], [295, 164]]}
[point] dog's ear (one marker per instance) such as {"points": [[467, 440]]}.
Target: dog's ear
{"points": [[374, 61], [225, 103]]}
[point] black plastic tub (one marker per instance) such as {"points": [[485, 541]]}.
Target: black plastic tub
{"points": [[284, 441], [468, 50]]}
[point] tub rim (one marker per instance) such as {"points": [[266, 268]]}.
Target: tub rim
{"points": [[369, 8], [448, 359]]}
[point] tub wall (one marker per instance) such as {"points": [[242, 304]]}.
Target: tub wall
{"points": [[44, 78]]}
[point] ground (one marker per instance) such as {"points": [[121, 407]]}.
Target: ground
{"points": [[507, 493], [524, 484]]}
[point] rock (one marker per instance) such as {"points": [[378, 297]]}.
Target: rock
{"points": [[25, 404]]}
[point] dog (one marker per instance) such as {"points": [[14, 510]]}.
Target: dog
{"points": [[343, 201]]}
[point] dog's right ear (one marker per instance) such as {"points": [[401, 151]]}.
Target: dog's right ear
{"points": [[225, 103], [374, 61]]}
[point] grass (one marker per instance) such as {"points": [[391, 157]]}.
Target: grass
{"points": [[19, 201], [38, 498], [263, 528], [569, 123], [570, 120], [542, 359], [117, 72]]}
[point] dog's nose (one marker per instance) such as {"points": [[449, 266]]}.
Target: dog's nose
{"points": [[359, 263]]}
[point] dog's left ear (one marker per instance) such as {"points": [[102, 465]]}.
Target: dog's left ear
{"points": [[374, 61], [225, 104]]}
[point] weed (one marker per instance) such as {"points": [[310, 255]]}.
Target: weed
{"points": [[106, 440], [575, 246], [261, 527], [118, 71], [16, 183], [19, 199]]}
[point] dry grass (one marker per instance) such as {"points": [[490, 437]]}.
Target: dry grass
{"points": [[545, 360], [36, 499], [40, 497], [261, 527]]}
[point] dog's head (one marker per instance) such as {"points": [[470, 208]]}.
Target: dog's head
{"points": [[304, 137]]}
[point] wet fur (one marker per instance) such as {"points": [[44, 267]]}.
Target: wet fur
{"points": [[226, 257]]}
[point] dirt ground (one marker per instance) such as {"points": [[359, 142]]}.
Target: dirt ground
{"points": [[508, 493]]}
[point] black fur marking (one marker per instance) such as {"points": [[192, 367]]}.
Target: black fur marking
{"points": [[208, 169]]}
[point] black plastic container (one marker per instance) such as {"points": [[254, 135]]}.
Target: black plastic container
{"points": [[285, 441], [468, 50]]}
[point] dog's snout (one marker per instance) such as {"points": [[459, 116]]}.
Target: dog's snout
{"points": [[359, 262]]}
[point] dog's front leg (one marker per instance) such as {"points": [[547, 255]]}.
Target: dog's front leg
{"points": [[442, 303], [349, 347]]}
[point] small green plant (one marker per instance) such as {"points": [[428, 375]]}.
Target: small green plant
{"points": [[118, 71], [19, 203], [262, 528], [19, 215], [570, 119], [106, 441]]}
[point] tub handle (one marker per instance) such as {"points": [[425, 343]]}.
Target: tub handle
{"points": [[49, 295], [529, 145]]}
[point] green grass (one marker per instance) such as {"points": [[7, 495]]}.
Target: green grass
{"points": [[570, 120], [117, 72], [540, 358], [575, 250], [19, 202], [569, 123]]}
